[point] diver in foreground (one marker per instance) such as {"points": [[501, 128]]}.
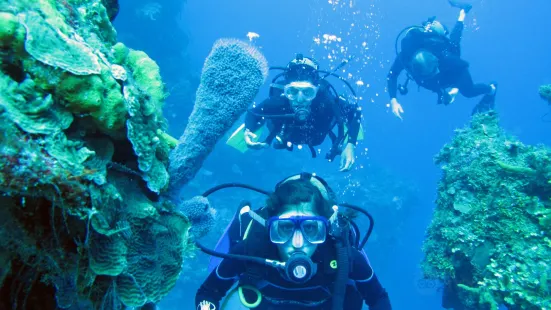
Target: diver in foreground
{"points": [[297, 252], [302, 109], [432, 59]]}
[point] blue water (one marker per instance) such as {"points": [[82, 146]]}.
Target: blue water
{"points": [[504, 41]]}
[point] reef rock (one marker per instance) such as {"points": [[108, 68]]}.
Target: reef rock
{"points": [[490, 238]]}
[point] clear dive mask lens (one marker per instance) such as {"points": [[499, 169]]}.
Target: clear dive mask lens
{"points": [[295, 90], [313, 228]]}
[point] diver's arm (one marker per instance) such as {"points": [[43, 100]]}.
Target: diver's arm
{"points": [[367, 283], [270, 106], [392, 77], [219, 282], [353, 119], [457, 32]]}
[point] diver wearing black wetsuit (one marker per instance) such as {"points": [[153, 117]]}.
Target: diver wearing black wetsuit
{"points": [[302, 109], [450, 72], [297, 252], [277, 293], [326, 112]]}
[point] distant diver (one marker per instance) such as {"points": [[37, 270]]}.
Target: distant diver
{"points": [[299, 251], [303, 108], [431, 57]]}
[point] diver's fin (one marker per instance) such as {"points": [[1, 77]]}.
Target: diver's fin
{"points": [[487, 103], [461, 5], [237, 140]]}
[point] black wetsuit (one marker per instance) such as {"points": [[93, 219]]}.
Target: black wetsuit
{"points": [[326, 112], [454, 71], [278, 293]]}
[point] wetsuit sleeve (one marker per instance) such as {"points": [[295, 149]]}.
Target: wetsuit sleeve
{"points": [[395, 70], [220, 281], [456, 34], [367, 283], [353, 119], [272, 105]]}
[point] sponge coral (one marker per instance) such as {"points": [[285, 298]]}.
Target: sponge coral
{"points": [[232, 75]]}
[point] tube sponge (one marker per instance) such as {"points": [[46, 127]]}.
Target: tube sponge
{"points": [[200, 215], [231, 77]]}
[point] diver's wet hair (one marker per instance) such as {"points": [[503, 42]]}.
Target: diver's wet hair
{"points": [[295, 192]]}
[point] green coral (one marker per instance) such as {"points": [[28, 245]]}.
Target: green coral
{"points": [[29, 110], [147, 76], [54, 48], [152, 151], [487, 233], [545, 92], [12, 34], [120, 51], [99, 95]]}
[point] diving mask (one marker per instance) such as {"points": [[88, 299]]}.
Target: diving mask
{"points": [[300, 90], [313, 228]]}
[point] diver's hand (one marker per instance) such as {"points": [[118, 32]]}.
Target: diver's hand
{"points": [[396, 108], [249, 139], [347, 157], [206, 305]]}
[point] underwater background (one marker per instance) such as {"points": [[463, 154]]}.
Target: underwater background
{"points": [[504, 41], [90, 119]]}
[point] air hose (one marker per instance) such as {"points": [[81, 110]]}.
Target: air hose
{"points": [[343, 268]]}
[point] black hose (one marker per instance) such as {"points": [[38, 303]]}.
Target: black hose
{"points": [[371, 222], [343, 269], [343, 80], [357, 232], [227, 185], [252, 259]]}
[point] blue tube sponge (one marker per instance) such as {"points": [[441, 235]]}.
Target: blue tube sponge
{"points": [[231, 77]]}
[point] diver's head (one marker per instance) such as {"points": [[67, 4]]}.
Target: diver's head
{"points": [[300, 95], [302, 78], [298, 222], [302, 69], [436, 27], [424, 65]]}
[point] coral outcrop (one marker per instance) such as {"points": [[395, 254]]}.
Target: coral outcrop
{"points": [[490, 238], [84, 158], [83, 151]]}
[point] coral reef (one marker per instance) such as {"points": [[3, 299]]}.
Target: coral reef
{"points": [[83, 157], [231, 77], [545, 93], [490, 235]]}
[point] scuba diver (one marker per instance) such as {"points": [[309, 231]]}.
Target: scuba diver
{"points": [[432, 59], [302, 109], [298, 252]]}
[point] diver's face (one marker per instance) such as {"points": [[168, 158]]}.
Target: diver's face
{"points": [[300, 95], [297, 243]]}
